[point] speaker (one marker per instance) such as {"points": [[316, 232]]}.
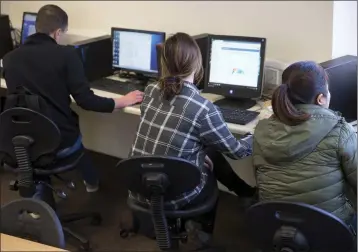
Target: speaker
{"points": [[342, 74]]}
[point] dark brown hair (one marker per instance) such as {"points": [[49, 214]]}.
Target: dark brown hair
{"points": [[302, 83], [180, 58], [51, 18]]}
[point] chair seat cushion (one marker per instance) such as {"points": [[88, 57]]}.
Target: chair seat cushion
{"points": [[48, 159], [187, 212]]}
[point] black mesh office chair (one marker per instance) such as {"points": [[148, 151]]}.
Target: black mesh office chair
{"points": [[161, 179], [297, 227], [29, 143], [34, 220]]}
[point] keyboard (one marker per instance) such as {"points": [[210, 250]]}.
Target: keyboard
{"points": [[238, 116], [116, 86]]}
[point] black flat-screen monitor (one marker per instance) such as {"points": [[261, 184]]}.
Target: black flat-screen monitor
{"points": [[342, 73], [96, 56], [235, 68], [135, 50]]}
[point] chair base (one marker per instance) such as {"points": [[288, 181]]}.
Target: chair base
{"points": [[96, 219], [194, 233]]}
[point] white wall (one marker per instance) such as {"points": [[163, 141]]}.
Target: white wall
{"points": [[344, 28], [295, 30]]}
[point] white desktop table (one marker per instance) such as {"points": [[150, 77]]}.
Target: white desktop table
{"points": [[113, 134], [12, 243]]}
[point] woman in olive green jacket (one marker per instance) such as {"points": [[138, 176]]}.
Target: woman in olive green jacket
{"points": [[306, 152]]}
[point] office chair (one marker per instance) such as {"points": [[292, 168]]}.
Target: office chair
{"points": [[34, 220], [297, 227], [29, 143], [161, 179]]}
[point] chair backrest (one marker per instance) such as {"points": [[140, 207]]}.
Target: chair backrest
{"points": [[34, 220], [181, 176], [299, 226], [30, 124]]}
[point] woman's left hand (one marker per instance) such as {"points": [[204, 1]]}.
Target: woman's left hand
{"points": [[208, 163]]}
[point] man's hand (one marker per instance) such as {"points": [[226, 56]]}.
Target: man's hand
{"points": [[208, 163], [129, 99]]}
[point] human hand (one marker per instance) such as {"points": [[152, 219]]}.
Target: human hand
{"points": [[208, 163], [129, 99]]}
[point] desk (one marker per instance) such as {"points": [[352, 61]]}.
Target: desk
{"points": [[113, 134], [11, 243], [234, 128]]}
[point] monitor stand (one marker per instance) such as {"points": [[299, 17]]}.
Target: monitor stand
{"points": [[137, 79], [235, 103]]}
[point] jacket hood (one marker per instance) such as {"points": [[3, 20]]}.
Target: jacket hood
{"points": [[282, 143]]}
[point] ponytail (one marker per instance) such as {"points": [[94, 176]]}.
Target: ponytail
{"points": [[284, 109], [171, 86]]}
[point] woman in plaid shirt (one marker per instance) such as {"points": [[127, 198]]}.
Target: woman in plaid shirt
{"points": [[177, 121]]}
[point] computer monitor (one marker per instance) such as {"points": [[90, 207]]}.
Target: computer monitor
{"points": [[28, 25], [342, 73], [235, 69], [135, 50], [96, 56]]}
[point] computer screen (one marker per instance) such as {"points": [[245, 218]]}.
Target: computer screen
{"points": [[28, 25], [235, 63], [135, 50]]}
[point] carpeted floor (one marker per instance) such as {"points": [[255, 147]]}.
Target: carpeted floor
{"points": [[110, 201]]}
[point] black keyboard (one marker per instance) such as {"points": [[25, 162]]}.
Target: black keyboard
{"points": [[116, 86], [238, 116]]}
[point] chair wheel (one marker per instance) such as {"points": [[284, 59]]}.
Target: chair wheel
{"points": [[124, 233], [85, 247], [96, 220]]}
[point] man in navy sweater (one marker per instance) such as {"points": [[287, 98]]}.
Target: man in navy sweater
{"points": [[56, 73]]}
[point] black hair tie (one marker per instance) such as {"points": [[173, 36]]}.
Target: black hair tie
{"points": [[172, 79]]}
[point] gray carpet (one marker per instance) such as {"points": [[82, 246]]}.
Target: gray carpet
{"points": [[110, 201]]}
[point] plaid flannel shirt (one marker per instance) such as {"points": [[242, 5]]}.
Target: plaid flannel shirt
{"points": [[183, 127]]}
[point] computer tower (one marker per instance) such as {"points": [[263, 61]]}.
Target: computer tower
{"points": [[6, 44], [96, 55], [342, 73]]}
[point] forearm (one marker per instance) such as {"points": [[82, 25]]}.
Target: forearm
{"points": [[242, 148], [120, 103], [95, 103]]}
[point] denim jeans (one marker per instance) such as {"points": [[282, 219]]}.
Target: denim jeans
{"points": [[87, 169], [354, 224]]}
